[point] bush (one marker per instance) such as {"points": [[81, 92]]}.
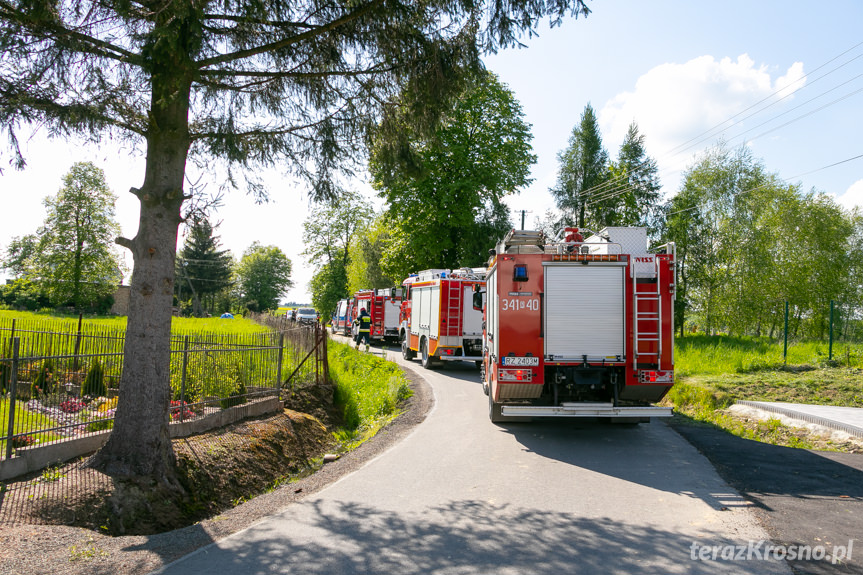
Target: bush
{"points": [[237, 397], [94, 383], [44, 382], [5, 377]]}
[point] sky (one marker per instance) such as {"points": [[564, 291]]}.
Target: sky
{"points": [[784, 77]]}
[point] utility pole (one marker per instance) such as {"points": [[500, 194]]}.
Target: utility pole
{"points": [[523, 212]]}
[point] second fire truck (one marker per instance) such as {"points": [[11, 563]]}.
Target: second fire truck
{"points": [[438, 321]]}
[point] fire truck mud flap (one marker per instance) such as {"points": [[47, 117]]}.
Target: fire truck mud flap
{"points": [[584, 410]]}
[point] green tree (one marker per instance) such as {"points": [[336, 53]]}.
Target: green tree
{"points": [[583, 168], [328, 285], [631, 195], [369, 256], [263, 277], [702, 224], [456, 181], [328, 234], [76, 261], [19, 256], [202, 268], [747, 242], [297, 85]]}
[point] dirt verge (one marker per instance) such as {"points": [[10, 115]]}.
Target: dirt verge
{"points": [[63, 550]]}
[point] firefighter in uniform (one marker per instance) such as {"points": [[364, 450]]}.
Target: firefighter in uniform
{"points": [[364, 323]]}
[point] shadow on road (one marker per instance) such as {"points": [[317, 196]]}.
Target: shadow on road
{"points": [[809, 497], [461, 537]]}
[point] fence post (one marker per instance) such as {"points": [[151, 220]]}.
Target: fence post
{"points": [[183, 378], [77, 343], [830, 346], [279, 368], [13, 383], [785, 350], [326, 359]]}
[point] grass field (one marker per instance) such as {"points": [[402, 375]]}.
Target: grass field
{"points": [[179, 325], [713, 372]]}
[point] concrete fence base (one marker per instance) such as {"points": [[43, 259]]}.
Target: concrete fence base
{"points": [[30, 459]]}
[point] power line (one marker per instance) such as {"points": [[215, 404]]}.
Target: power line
{"points": [[615, 187], [785, 180]]}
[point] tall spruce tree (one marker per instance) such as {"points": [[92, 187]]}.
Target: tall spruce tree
{"points": [[256, 84], [632, 195], [583, 168], [203, 270]]}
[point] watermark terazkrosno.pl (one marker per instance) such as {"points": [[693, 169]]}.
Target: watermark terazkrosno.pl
{"points": [[766, 551]]}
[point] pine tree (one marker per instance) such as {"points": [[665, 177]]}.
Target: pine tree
{"points": [[583, 170], [632, 196], [202, 268]]}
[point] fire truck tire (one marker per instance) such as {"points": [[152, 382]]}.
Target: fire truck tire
{"points": [[428, 362], [407, 352]]}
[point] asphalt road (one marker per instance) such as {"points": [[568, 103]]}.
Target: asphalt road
{"points": [[804, 498], [462, 496]]}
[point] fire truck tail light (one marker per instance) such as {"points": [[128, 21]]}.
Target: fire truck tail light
{"points": [[654, 376], [515, 375]]}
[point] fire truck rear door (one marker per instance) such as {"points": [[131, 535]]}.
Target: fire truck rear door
{"points": [[584, 311]]}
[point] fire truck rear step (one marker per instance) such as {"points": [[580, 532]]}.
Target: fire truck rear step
{"points": [[584, 410]]}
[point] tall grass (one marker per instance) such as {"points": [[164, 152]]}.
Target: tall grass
{"points": [[713, 372], [368, 387], [715, 355]]}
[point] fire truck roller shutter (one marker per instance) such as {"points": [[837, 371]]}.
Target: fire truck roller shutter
{"points": [[584, 311]]}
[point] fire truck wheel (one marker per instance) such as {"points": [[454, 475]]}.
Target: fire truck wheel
{"points": [[428, 361], [407, 352]]}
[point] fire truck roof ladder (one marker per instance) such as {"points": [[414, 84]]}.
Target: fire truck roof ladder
{"points": [[524, 238]]}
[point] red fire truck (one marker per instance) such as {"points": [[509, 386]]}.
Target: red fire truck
{"points": [[438, 320], [578, 327], [384, 306]]}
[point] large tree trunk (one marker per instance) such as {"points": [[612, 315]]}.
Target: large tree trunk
{"points": [[139, 447]]}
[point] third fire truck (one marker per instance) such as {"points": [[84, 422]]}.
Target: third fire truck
{"points": [[384, 307], [439, 322], [578, 327]]}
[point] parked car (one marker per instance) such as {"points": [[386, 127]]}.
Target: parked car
{"points": [[306, 315]]}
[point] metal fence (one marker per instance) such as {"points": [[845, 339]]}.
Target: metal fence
{"points": [[59, 387]]}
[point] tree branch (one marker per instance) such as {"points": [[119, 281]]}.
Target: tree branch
{"points": [[82, 42], [311, 33]]}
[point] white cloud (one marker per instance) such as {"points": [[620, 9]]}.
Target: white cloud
{"points": [[853, 196], [682, 108]]}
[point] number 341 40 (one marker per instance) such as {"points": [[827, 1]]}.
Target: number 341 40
{"points": [[515, 304]]}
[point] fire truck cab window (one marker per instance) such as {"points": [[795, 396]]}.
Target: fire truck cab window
{"points": [[477, 300], [519, 273]]}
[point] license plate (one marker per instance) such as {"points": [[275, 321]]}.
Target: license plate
{"points": [[521, 361]]}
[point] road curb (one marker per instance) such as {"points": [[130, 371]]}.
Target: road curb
{"points": [[817, 420]]}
